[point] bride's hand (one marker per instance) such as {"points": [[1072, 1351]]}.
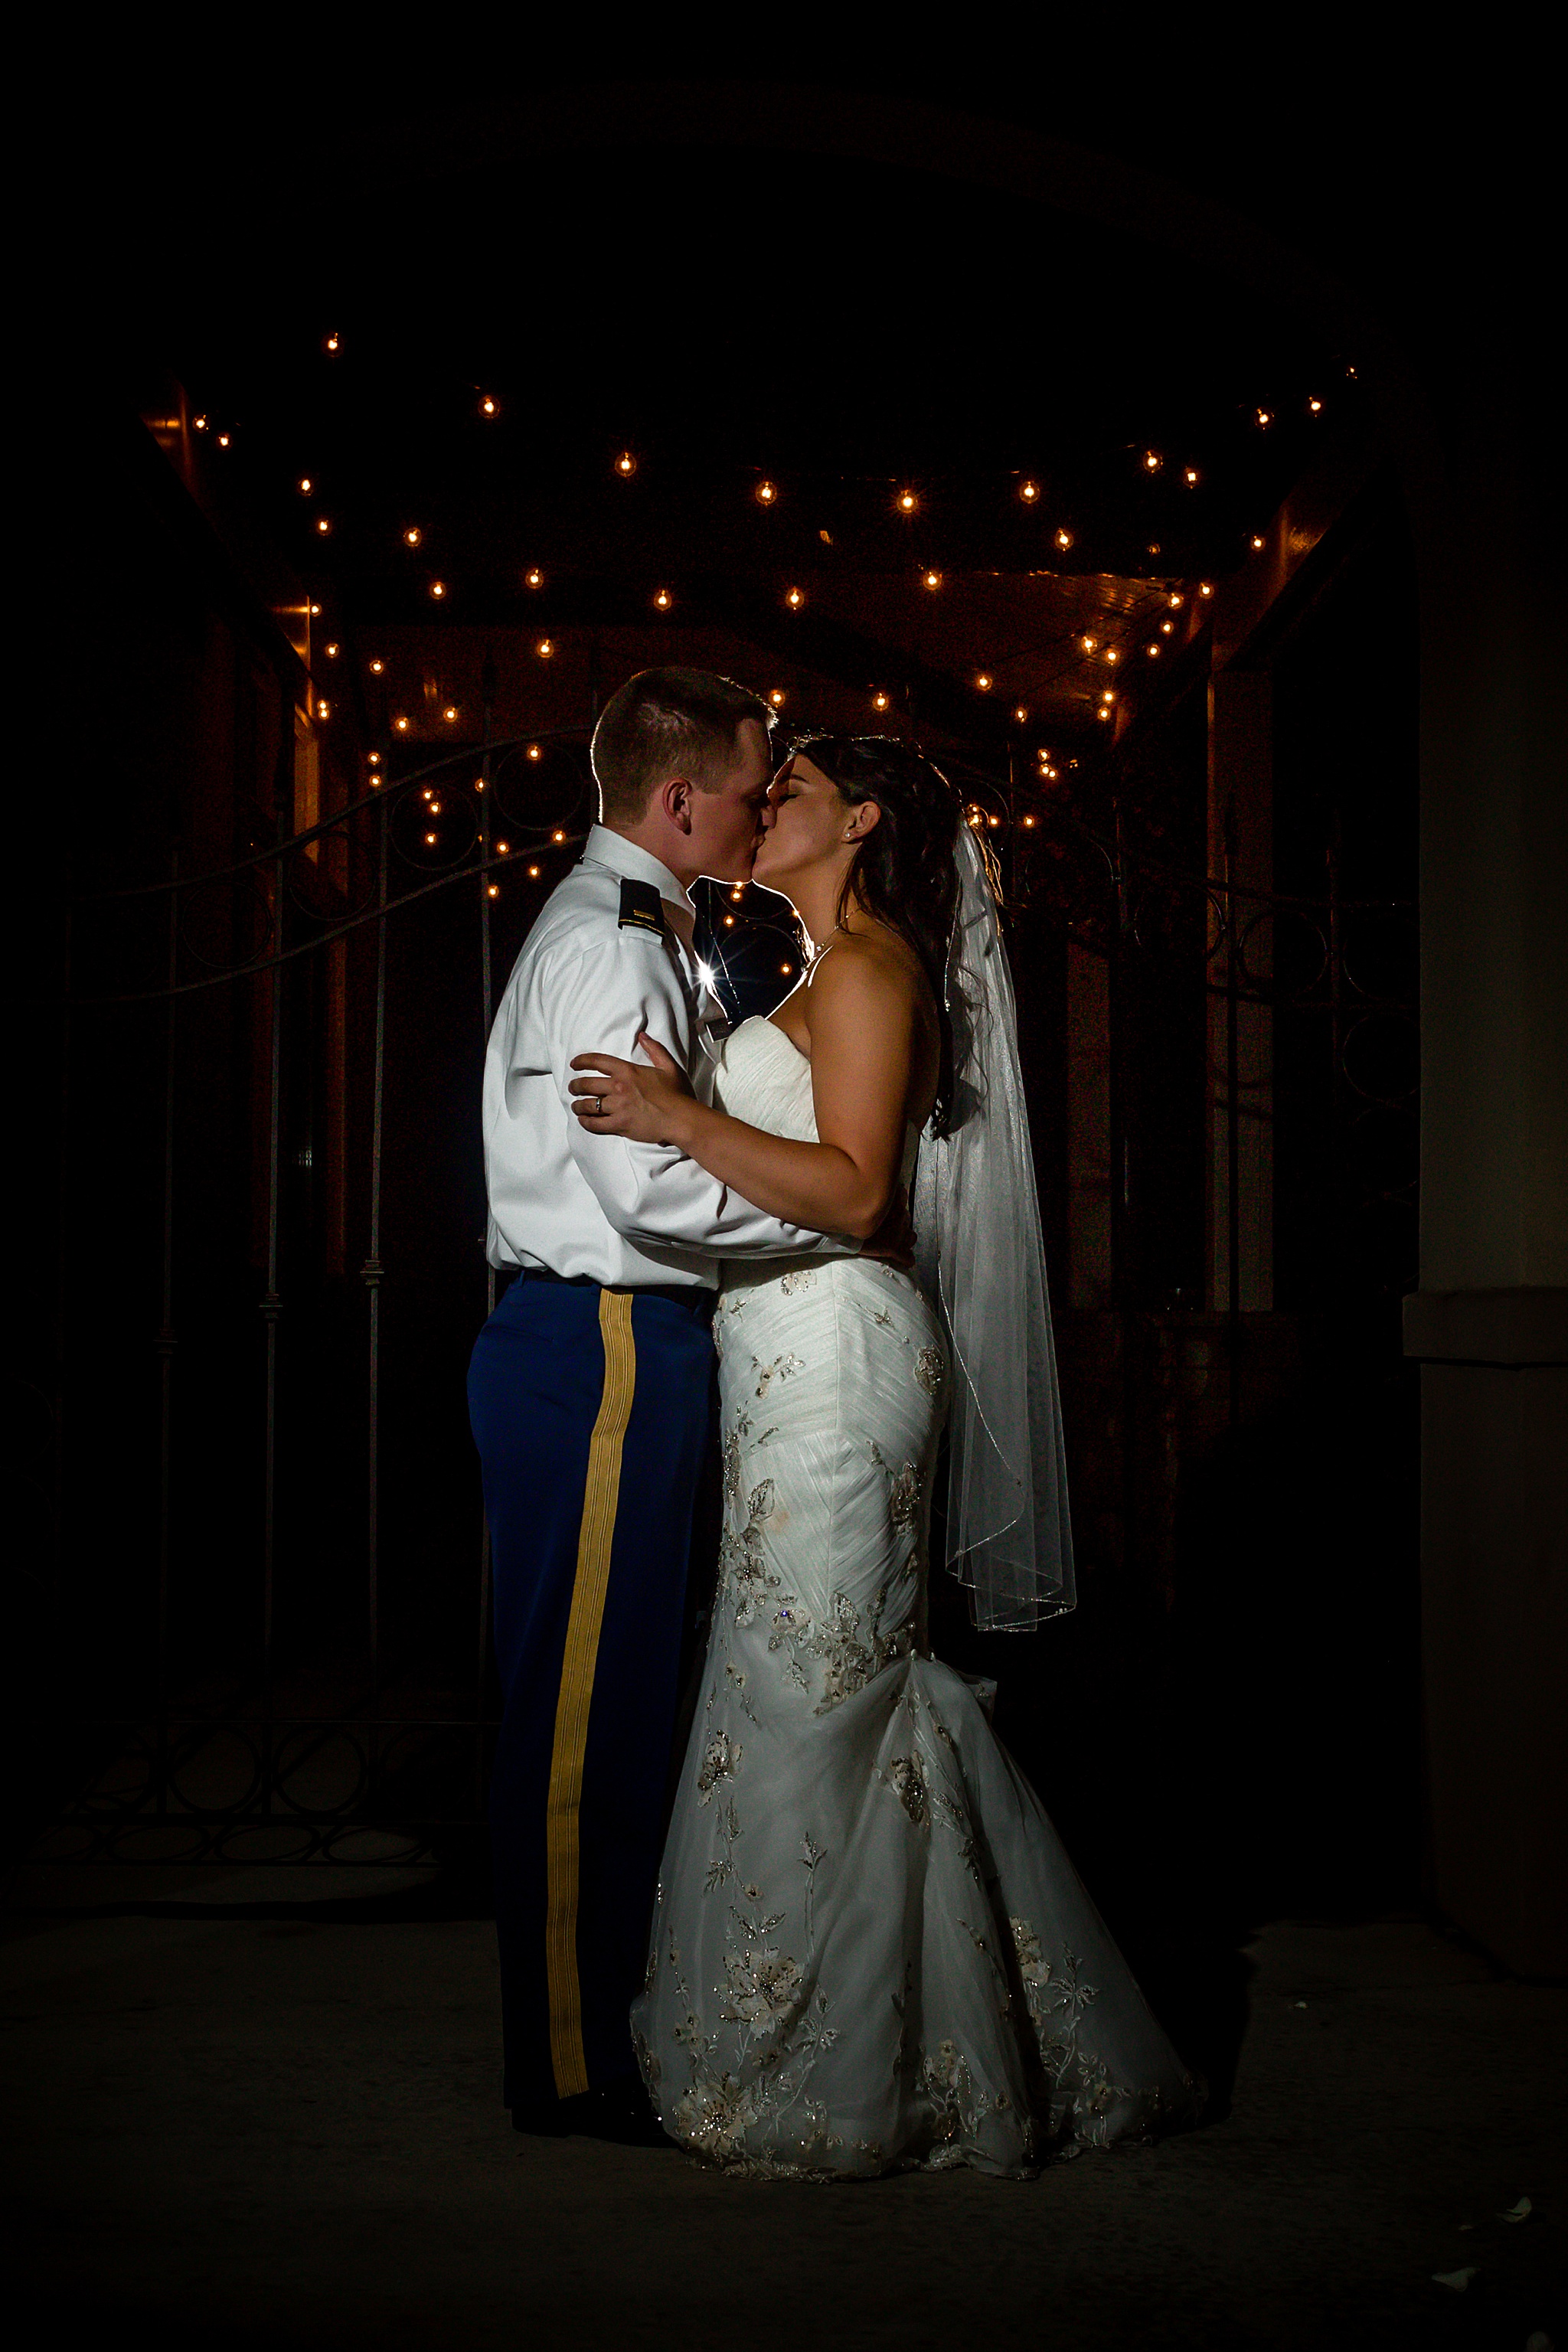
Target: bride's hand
{"points": [[632, 1098]]}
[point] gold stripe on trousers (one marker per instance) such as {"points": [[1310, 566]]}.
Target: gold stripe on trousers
{"points": [[563, 1805]]}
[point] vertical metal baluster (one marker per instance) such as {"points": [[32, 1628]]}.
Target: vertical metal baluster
{"points": [[166, 1341], [1339, 1109], [1232, 1123], [488, 688], [371, 1274], [271, 1308]]}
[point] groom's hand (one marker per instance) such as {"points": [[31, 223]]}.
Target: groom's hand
{"points": [[894, 1240], [644, 1101]]}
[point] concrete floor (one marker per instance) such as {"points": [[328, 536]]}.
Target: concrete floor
{"points": [[251, 2130]]}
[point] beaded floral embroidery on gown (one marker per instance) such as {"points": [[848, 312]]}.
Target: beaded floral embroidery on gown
{"points": [[869, 1949]]}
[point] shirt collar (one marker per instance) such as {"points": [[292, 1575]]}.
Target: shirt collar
{"points": [[604, 847]]}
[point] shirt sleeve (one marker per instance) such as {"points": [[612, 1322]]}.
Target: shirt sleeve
{"points": [[651, 1193]]}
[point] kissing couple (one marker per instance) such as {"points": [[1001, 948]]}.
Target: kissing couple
{"points": [[853, 1942]]}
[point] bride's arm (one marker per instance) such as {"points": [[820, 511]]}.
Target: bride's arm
{"points": [[862, 1018]]}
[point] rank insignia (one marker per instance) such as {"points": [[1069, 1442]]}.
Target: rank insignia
{"points": [[642, 909]]}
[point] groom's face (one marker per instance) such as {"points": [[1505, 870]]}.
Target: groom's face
{"points": [[728, 824]]}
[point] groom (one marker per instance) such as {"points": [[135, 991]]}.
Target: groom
{"points": [[589, 1389]]}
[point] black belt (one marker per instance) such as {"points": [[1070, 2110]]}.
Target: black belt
{"points": [[684, 1294]]}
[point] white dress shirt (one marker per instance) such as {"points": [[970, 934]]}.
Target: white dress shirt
{"points": [[576, 1202]]}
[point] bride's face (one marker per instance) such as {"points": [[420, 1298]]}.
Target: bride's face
{"points": [[812, 824]]}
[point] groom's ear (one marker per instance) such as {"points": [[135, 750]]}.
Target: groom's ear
{"points": [[674, 796]]}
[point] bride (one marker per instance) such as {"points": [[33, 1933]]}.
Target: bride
{"points": [[869, 1949]]}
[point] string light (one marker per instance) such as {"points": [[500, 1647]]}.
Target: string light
{"points": [[450, 713], [479, 783], [1166, 627], [223, 439], [413, 535], [533, 752], [434, 806], [438, 589], [626, 464], [534, 577], [1111, 655], [331, 651], [377, 665], [739, 892], [766, 493], [1190, 478], [1258, 540], [728, 922], [1152, 649], [983, 681], [1021, 715], [1152, 461], [545, 648], [1265, 417], [1088, 644], [1028, 492], [200, 424], [878, 702], [489, 406], [1064, 540], [306, 486], [794, 598], [907, 502], [776, 696], [373, 758], [826, 537], [315, 611], [662, 597], [558, 836], [1206, 587], [400, 726], [333, 344], [430, 838], [1104, 711], [930, 579], [504, 848], [492, 890], [1315, 407], [1028, 821], [787, 968], [534, 873], [323, 525], [1176, 600], [324, 710]]}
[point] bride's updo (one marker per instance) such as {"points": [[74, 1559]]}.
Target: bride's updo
{"points": [[903, 874]]}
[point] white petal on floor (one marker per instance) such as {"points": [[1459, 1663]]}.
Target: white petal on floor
{"points": [[1455, 2281], [1520, 2213]]}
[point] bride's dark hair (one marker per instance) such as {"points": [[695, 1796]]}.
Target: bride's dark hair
{"points": [[904, 873]]}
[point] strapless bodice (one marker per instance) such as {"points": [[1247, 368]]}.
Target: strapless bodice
{"points": [[765, 1079]]}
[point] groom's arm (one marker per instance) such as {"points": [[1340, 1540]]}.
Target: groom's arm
{"points": [[598, 998]]}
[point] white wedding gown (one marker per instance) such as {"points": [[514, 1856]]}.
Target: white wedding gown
{"points": [[869, 1949]]}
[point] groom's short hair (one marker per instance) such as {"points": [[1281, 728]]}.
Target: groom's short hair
{"points": [[667, 722]]}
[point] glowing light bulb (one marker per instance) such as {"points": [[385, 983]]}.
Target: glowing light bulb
{"points": [[794, 598], [533, 752], [930, 579], [787, 968], [728, 922], [1258, 540], [377, 665], [1206, 587], [330, 652], [534, 577], [878, 702], [558, 836], [739, 892], [766, 492], [1104, 711], [413, 535], [545, 648], [662, 597], [323, 525], [1021, 714], [1265, 417], [200, 423], [1028, 492], [400, 726], [323, 709], [438, 589], [306, 486], [776, 696], [374, 759], [435, 807], [503, 847], [826, 537], [1064, 540], [223, 440], [907, 502], [1028, 820], [1108, 693], [492, 890], [489, 405], [1112, 656], [983, 681], [1166, 627], [1190, 478], [626, 464], [1315, 407], [333, 344], [993, 822], [450, 713], [1088, 644], [1152, 649], [315, 611], [1176, 600], [534, 873], [1152, 461], [431, 839]]}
